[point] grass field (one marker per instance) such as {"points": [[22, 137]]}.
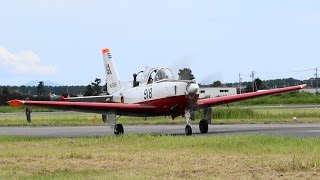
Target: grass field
{"points": [[9, 109], [160, 157], [221, 115], [293, 98]]}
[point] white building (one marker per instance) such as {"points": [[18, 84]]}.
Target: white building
{"points": [[210, 92], [309, 90]]}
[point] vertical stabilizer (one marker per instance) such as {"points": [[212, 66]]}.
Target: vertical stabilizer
{"points": [[112, 77]]}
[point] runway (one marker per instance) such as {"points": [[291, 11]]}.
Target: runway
{"points": [[295, 130]]}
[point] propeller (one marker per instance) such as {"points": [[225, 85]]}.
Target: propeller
{"points": [[192, 89]]}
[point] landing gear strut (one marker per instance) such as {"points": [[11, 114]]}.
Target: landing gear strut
{"points": [[188, 128], [111, 118]]}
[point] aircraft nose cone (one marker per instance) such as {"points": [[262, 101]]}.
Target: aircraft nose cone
{"points": [[193, 88]]}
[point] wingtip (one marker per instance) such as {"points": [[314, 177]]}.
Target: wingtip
{"points": [[15, 102], [303, 86]]}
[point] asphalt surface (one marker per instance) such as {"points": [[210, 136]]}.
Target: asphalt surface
{"points": [[295, 130]]}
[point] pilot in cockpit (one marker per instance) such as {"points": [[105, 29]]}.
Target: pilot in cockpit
{"points": [[151, 77], [135, 82], [161, 74]]}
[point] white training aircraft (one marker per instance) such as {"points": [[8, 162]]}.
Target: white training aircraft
{"points": [[156, 93]]}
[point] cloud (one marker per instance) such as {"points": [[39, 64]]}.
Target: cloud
{"points": [[24, 62]]}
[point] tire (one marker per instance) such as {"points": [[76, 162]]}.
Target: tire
{"points": [[188, 130], [203, 126], [118, 129]]}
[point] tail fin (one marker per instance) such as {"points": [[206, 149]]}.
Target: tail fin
{"points": [[112, 77]]}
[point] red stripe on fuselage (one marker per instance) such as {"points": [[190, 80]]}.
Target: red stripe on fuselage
{"points": [[174, 106]]}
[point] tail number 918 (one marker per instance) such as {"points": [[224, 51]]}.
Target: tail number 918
{"points": [[148, 93]]}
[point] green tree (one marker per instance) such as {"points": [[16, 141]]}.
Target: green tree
{"points": [[5, 91], [185, 74], [96, 86], [217, 84], [41, 88], [88, 91], [258, 85], [23, 89]]}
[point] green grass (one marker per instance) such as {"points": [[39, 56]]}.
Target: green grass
{"points": [[80, 119], [222, 115], [291, 98], [229, 115], [53, 120], [159, 157], [9, 109]]}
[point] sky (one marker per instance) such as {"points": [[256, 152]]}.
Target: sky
{"points": [[61, 40]]}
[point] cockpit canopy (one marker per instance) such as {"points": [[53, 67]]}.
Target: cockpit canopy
{"points": [[156, 75]]}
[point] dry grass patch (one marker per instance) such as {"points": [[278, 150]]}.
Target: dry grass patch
{"points": [[170, 157]]}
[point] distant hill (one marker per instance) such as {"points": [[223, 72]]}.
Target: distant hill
{"points": [[46, 83]]}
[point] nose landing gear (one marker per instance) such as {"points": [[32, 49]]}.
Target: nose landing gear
{"points": [[188, 128], [203, 124]]}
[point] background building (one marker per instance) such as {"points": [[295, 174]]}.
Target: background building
{"points": [[210, 92]]}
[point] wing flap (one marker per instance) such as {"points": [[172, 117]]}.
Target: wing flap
{"points": [[204, 103], [103, 98]]}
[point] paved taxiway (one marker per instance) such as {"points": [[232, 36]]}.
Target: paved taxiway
{"points": [[295, 129]]}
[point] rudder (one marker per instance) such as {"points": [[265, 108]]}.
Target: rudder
{"points": [[112, 76]]}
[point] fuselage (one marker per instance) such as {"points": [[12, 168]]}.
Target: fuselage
{"points": [[171, 97], [155, 87]]}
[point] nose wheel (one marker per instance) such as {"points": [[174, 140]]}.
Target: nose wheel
{"points": [[188, 130], [118, 129]]}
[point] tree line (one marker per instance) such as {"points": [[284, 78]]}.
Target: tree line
{"points": [[46, 93]]}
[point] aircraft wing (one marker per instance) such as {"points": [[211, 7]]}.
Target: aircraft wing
{"points": [[94, 107], [205, 103]]}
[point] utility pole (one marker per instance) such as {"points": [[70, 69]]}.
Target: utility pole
{"points": [[316, 74], [252, 76], [240, 83]]}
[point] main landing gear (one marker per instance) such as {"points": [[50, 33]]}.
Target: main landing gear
{"points": [[111, 118], [203, 124], [118, 129]]}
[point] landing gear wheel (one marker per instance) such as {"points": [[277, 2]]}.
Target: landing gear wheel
{"points": [[203, 126], [188, 130], [118, 129]]}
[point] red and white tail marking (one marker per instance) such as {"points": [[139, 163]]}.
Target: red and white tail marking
{"points": [[112, 76]]}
